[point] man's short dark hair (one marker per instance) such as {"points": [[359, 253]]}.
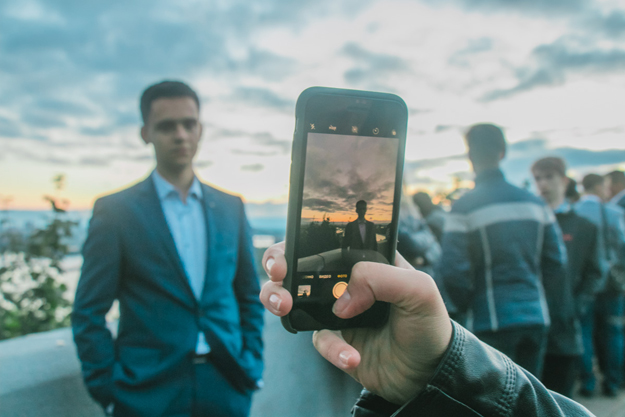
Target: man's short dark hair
{"points": [[571, 191], [590, 181], [165, 89], [486, 143], [360, 202], [550, 165], [617, 177]]}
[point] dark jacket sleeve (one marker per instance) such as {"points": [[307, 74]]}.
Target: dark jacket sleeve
{"points": [[472, 380], [553, 257], [591, 277], [247, 290], [96, 291]]}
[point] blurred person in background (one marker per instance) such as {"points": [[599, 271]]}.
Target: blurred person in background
{"points": [[568, 299], [433, 214], [177, 254], [500, 243], [616, 188], [603, 320], [571, 194], [415, 240]]}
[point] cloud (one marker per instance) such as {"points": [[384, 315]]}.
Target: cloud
{"points": [[341, 170], [414, 111], [92, 60], [262, 97], [39, 119], [9, 128], [611, 24], [522, 155], [320, 204], [444, 128], [371, 66], [267, 139], [102, 130], [420, 164], [198, 164], [554, 62], [252, 153], [253, 167], [531, 7], [264, 139], [461, 57]]}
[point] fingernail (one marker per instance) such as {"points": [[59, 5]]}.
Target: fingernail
{"points": [[344, 358], [341, 304], [269, 264], [275, 301]]}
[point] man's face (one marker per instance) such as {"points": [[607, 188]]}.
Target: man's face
{"points": [[602, 190], [361, 209], [174, 129], [551, 185], [613, 188]]}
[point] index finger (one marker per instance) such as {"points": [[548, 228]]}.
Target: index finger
{"points": [[274, 262]]}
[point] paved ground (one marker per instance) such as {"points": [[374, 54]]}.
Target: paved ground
{"points": [[39, 376], [605, 407]]}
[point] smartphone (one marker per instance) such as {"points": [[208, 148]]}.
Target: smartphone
{"points": [[345, 188]]}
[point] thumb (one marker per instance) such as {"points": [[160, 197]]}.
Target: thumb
{"points": [[407, 289]]}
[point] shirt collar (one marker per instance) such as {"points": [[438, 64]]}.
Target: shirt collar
{"points": [[164, 188], [492, 174], [617, 197]]}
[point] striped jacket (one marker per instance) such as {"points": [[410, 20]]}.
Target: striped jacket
{"points": [[501, 244]]}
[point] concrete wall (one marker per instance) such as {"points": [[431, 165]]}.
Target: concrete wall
{"points": [[40, 376]]}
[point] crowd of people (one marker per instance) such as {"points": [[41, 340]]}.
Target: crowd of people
{"points": [[539, 277]]}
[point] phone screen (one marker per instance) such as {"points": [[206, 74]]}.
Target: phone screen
{"points": [[347, 202]]}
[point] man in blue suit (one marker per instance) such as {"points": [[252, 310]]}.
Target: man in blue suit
{"points": [[177, 254]]}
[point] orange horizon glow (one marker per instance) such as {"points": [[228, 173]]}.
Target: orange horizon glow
{"points": [[342, 218]]}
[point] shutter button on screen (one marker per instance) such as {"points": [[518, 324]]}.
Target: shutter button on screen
{"points": [[339, 289]]}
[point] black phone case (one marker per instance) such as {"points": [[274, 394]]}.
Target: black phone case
{"points": [[297, 172]]}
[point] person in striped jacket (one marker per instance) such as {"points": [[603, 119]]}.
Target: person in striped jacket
{"points": [[501, 247]]}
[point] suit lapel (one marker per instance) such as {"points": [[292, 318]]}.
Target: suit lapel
{"points": [[155, 219], [210, 204]]}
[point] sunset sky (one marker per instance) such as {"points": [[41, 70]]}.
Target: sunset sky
{"points": [[342, 170], [552, 73]]}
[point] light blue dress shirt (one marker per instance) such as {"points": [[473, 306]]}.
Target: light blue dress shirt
{"points": [[187, 224]]}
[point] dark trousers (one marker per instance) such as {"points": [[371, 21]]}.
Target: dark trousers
{"points": [[215, 397], [602, 326], [526, 345], [560, 373]]}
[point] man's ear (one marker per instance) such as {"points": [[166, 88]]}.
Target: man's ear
{"points": [[144, 135], [201, 129]]}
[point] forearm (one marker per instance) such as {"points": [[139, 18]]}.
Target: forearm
{"points": [[474, 380]]}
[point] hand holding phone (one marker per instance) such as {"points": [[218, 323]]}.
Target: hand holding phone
{"points": [[345, 187], [394, 361]]}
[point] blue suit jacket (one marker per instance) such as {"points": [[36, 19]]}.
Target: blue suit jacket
{"points": [[130, 255]]}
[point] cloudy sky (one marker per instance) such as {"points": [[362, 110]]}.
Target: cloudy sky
{"points": [[550, 72], [333, 183]]}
